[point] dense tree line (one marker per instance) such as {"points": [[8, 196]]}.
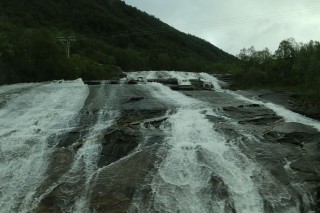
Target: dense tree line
{"points": [[294, 66], [109, 35]]}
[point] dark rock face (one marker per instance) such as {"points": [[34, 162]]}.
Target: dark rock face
{"points": [[252, 114], [286, 99], [220, 192], [118, 144], [124, 166], [132, 81], [298, 151], [183, 87], [62, 159], [140, 117], [318, 201], [92, 82], [195, 84], [126, 134], [122, 75], [115, 184], [169, 81], [289, 151]]}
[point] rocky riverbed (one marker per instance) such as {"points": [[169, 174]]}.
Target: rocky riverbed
{"points": [[165, 142]]}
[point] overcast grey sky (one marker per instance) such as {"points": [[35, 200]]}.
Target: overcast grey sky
{"points": [[234, 24]]}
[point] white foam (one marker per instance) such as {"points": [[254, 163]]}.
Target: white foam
{"points": [[197, 154], [90, 154], [180, 76], [86, 158], [168, 96], [281, 111], [13, 87], [288, 115], [31, 121]]}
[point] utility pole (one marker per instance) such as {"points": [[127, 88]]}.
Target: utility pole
{"points": [[67, 41]]}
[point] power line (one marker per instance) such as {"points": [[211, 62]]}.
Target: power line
{"points": [[210, 24], [258, 17]]}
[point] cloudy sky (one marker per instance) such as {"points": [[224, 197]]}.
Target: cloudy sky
{"points": [[234, 24]]}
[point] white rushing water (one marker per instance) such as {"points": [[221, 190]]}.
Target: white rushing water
{"points": [[197, 154], [201, 169], [13, 87], [30, 126], [167, 96], [89, 153], [281, 111], [74, 194], [201, 164], [178, 75]]}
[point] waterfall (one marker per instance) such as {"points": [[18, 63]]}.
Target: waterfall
{"points": [[205, 160], [30, 126], [204, 170], [90, 152], [74, 185], [281, 111], [198, 156]]}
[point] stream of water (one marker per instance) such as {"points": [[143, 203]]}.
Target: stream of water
{"points": [[30, 126], [202, 169]]}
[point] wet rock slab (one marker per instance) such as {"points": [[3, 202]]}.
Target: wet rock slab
{"points": [[140, 118], [118, 144], [285, 98], [128, 154], [289, 151], [115, 184]]}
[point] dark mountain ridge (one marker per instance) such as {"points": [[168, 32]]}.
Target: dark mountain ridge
{"points": [[109, 33]]}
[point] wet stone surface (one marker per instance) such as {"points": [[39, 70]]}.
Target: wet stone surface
{"points": [[128, 150], [289, 151]]}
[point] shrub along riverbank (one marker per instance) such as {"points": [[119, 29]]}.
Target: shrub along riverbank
{"points": [[293, 66]]}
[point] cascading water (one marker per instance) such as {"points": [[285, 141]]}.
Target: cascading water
{"points": [[90, 152], [74, 184], [9, 92], [203, 170], [202, 164], [196, 155], [30, 126], [288, 115], [16, 87]]}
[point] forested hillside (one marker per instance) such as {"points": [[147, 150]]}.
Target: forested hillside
{"points": [[109, 34]]}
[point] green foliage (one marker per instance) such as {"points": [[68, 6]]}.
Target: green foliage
{"points": [[99, 71], [6, 48], [33, 55], [295, 66], [287, 49], [109, 33], [88, 69]]}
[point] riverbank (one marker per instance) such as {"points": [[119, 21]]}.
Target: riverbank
{"points": [[288, 99]]}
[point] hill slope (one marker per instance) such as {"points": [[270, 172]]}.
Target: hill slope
{"points": [[109, 34]]}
